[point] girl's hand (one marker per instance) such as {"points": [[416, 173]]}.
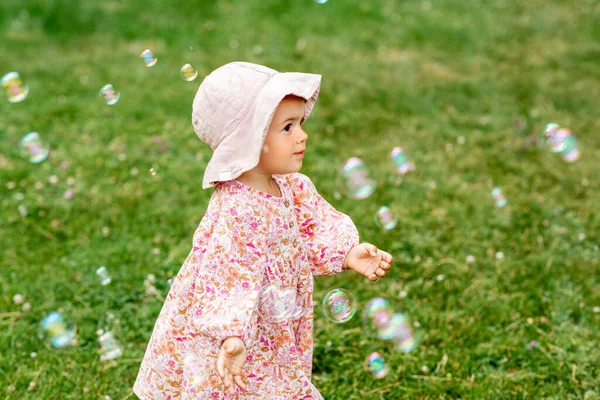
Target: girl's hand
{"points": [[231, 359], [368, 260]]}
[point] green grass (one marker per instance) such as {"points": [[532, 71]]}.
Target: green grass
{"points": [[412, 74]]}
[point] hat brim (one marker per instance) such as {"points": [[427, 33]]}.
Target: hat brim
{"points": [[246, 147]]}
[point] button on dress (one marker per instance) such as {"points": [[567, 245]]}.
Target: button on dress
{"points": [[249, 274]]}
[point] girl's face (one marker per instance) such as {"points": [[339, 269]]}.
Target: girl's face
{"points": [[286, 140]]}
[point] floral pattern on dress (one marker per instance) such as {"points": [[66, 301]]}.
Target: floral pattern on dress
{"points": [[249, 274]]}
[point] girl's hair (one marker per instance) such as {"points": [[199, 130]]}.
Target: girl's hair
{"points": [[292, 96]]}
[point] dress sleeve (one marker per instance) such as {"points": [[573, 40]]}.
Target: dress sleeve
{"points": [[229, 275], [327, 233]]}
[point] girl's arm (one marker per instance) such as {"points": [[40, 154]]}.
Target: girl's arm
{"points": [[327, 233]]}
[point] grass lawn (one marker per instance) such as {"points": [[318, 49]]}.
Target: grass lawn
{"points": [[461, 85]]}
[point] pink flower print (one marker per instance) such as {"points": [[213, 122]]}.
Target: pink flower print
{"points": [[233, 211], [171, 363], [215, 395], [254, 225], [245, 285]]}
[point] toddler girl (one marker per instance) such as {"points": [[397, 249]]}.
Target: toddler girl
{"points": [[237, 322]]}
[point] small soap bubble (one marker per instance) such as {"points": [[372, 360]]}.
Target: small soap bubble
{"points": [[53, 179], [498, 197], [188, 72], [15, 89], [54, 329], [376, 365], [400, 161], [110, 348], [384, 218], [22, 210], [18, 299], [68, 194], [554, 137], [103, 275], [149, 58], [109, 94], [596, 310], [33, 148], [570, 152], [26, 307], [440, 277], [376, 318], [339, 305], [402, 333], [33, 355], [499, 255], [470, 259], [425, 368], [153, 171], [354, 180], [279, 304], [321, 1], [403, 294]]}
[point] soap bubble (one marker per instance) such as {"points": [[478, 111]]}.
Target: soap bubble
{"points": [[339, 305], [354, 180], [14, 87], [109, 94], [570, 151], [110, 348], [404, 336], [149, 58], [54, 329], [188, 72], [400, 161], [554, 137], [102, 273], [498, 197], [376, 317], [384, 218], [376, 365], [321, 1], [33, 148], [279, 304], [380, 320]]}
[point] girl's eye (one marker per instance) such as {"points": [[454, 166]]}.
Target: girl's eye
{"points": [[288, 127]]}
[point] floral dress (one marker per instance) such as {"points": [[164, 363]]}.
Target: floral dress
{"points": [[249, 274]]}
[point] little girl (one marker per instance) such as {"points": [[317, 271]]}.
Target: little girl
{"points": [[237, 322]]}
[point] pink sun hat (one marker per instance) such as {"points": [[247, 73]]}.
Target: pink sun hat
{"points": [[233, 109]]}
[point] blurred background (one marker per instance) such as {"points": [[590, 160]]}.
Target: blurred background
{"points": [[496, 241]]}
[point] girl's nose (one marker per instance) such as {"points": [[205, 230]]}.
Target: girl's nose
{"points": [[303, 135]]}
